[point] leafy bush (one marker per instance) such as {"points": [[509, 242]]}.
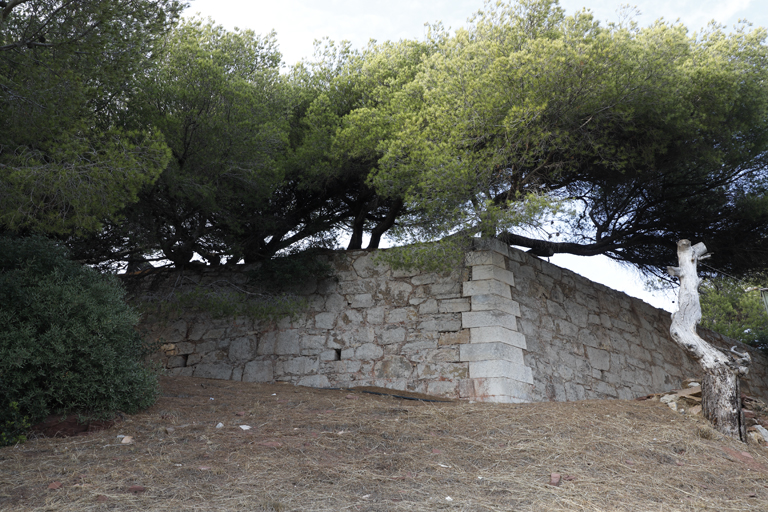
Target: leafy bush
{"points": [[13, 425], [68, 341], [728, 308]]}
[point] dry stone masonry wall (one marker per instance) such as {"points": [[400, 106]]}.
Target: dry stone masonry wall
{"points": [[509, 327]]}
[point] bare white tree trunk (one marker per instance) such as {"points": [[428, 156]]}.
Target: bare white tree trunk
{"points": [[720, 392]]}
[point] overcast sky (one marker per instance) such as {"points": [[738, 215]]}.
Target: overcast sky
{"points": [[299, 22]]}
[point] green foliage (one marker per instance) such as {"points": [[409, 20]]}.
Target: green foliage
{"points": [[66, 72], [628, 124], [224, 300], [13, 425], [268, 292], [442, 256], [68, 341], [729, 309]]}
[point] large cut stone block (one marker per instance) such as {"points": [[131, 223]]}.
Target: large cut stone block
{"points": [[486, 258], [491, 334], [486, 287], [499, 389], [258, 371], [490, 318], [213, 371], [489, 302], [498, 368], [491, 352], [480, 272]]}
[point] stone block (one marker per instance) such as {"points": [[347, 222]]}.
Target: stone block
{"points": [[491, 244], [298, 366], [490, 352], [491, 334], [335, 302], [495, 389], [329, 355], [399, 291], [196, 331], [416, 346], [441, 323], [392, 334], [362, 300], [288, 343], [599, 359], [184, 347], [471, 288], [242, 349], [505, 369], [176, 362], [424, 279], [453, 305], [175, 332], [364, 265], [401, 315], [214, 334], [492, 272], [237, 373], [314, 381], [566, 329], [213, 371], [180, 372], [267, 344], [444, 354], [490, 318], [375, 316], [556, 310], [325, 320], [577, 314], [485, 258], [393, 367], [193, 359], [258, 371], [445, 290], [368, 351], [445, 388], [454, 338], [428, 307], [495, 302]]}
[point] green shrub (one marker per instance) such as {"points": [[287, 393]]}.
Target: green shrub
{"points": [[68, 341], [13, 425]]}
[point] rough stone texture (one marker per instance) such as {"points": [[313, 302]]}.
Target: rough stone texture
{"points": [[585, 340], [367, 326], [509, 328]]}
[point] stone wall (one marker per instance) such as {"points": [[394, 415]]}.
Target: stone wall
{"points": [[509, 327], [585, 340]]}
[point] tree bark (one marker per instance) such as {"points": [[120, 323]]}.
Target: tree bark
{"points": [[720, 391]]}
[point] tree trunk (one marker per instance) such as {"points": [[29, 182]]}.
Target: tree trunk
{"points": [[720, 392]]}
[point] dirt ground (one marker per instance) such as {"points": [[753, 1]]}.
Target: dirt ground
{"points": [[332, 450]]}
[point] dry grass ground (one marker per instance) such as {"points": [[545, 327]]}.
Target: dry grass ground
{"points": [[311, 449]]}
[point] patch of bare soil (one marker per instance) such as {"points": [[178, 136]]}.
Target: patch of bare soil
{"points": [[331, 450]]}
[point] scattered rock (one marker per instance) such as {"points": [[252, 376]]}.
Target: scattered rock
{"points": [[554, 479], [55, 485], [745, 458], [101, 498], [762, 431], [136, 489]]}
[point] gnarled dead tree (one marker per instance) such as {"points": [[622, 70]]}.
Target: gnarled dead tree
{"points": [[720, 392]]}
